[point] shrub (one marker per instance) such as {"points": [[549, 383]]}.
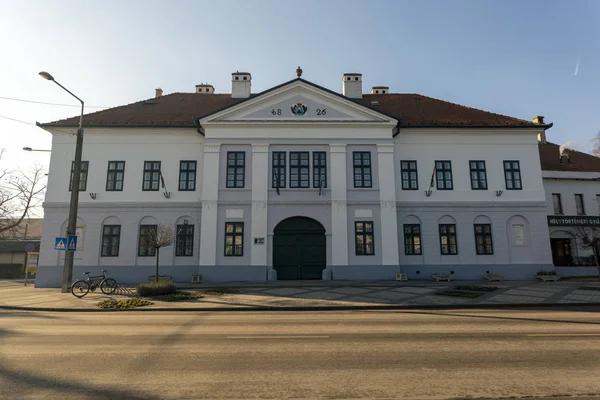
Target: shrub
{"points": [[179, 296], [551, 272], [219, 292], [121, 304], [155, 288]]}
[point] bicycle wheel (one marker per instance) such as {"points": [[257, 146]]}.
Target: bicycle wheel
{"points": [[108, 286], [80, 288]]}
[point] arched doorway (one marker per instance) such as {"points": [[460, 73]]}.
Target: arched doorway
{"points": [[299, 249]]}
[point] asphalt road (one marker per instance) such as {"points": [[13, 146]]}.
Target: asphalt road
{"points": [[280, 355]]}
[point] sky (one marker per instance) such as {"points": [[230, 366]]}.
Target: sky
{"points": [[519, 58]]}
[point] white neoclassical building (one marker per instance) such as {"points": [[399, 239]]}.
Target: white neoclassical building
{"points": [[300, 182]]}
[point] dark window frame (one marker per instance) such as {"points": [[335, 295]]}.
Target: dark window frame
{"points": [[185, 173], [484, 250], [447, 184], [279, 165], [560, 207], [301, 170], [184, 241], [361, 168], [234, 234], [364, 234], [409, 239], [83, 175], [445, 231], [237, 169], [112, 176], [110, 249], [512, 171], [150, 251], [406, 166], [579, 202], [479, 181], [151, 170], [319, 168]]}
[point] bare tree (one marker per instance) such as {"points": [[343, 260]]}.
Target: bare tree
{"points": [[161, 236], [596, 144], [20, 194], [588, 237]]}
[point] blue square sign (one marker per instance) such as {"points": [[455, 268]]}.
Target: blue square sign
{"points": [[60, 243], [72, 243]]}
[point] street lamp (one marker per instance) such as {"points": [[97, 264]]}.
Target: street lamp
{"points": [[72, 225], [30, 149]]}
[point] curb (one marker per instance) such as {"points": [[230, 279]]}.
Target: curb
{"points": [[315, 308]]}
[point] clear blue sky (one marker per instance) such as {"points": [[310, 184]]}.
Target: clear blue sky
{"points": [[512, 57]]}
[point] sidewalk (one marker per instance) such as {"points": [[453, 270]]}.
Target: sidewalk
{"points": [[301, 295]]}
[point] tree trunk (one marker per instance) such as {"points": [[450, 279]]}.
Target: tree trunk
{"points": [[156, 274]]}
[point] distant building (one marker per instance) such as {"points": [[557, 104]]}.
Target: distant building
{"points": [[572, 185], [300, 182], [13, 245]]}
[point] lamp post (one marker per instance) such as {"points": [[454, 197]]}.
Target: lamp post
{"points": [[67, 277]]}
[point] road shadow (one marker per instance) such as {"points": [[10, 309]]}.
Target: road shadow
{"points": [[28, 314], [26, 383]]}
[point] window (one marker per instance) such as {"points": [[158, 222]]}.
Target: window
{"points": [[443, 174], [236, 169], [408, 171], [362, 169], [111, 234], [556, 201], [319, 169], [146, 231], [579, 204], [115, 176], [299, 169], [187, 175], [151, 175], [518, 235], [82, 175], [448, 239], [512, 175], [278, 169], [412, 239], [483, 239], [363, 232], [234, 239], [478, 175], [184, 243]]}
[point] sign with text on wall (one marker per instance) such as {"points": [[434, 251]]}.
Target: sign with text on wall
{"points": [[259, 240], [573, 220]]}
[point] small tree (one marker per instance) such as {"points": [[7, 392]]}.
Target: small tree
{"points": [[596, 145], [161, 236], [20, 194], [587, 237]]}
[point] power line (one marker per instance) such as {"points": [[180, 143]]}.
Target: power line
{"points": [[49, 104], [32, 124]]}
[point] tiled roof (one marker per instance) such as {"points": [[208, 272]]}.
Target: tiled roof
{"points": [[579, 162], [180, 109]]}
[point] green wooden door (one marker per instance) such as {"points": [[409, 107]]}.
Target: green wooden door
{"points": [[299, 249]]}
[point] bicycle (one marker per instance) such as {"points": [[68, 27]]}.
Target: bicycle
{"points": [[80, 288]]}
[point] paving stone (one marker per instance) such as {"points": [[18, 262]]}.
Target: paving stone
{"points": [[416, 290], [506, 298], [321, 295], [350, 290], [542, 289], [284, 291], [390, 295], [517, 292]]}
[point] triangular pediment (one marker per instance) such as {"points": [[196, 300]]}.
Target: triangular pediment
{"points": [[298, 101]]}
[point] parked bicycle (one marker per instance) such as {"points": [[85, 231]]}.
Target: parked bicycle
{"points": [[80, 288]]}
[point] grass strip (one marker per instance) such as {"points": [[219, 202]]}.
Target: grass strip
{"points": [[122, 304]]}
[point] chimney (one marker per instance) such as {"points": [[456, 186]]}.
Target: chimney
{"points": [[539, 120], [158, 93], [240, 85], [380, 90], [352, 85], [565, 153], [205, 88]]}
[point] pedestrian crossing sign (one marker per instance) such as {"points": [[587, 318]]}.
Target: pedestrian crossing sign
{"points": [[72, 242], [60, 243]]}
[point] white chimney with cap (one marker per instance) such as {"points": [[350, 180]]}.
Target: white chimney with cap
{"points": [[352, 85], [380, 90], [240, 85], [205, 88]]}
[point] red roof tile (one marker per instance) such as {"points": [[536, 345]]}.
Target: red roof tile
{"points": [[180, 109], [579, 162]]}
